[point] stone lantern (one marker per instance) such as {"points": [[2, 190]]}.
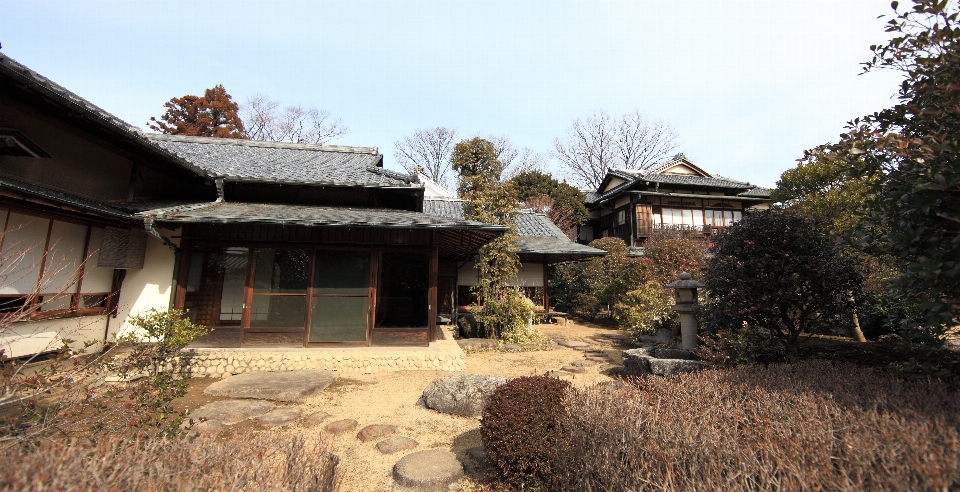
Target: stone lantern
{"points": [[685, 298]]}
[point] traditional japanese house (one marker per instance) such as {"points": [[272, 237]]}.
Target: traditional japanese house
{"points": [[673, 195], [273, 245]]}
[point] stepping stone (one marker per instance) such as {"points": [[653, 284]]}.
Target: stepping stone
{"points": [[231, 412], [376, 431], [315, 418], [432, 470], [574, 369], [583, 363], [279, 416], [280, 386], [512, 347], [572, 344], [341, 426], [395, 444]]}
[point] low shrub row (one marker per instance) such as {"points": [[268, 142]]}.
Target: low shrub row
{"points": [[807, 426], [263, 461]]}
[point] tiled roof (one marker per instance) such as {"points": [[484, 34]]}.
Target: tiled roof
{"points": [[759, 191], [540, 238], [273, 162], [61, 198], [234, 212], [528, 223], [90, 112]]}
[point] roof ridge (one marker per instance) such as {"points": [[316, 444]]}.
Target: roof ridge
{"points": [[262, 143]]}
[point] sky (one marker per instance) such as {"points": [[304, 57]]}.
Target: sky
{"points": [[747, 85]]}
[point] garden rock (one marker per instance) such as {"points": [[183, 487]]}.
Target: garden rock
{"points": [[462, 394], [636, 362], [231, 412], [477, 453], [583, 363], [668, 353], [666, 367], [279, 416], [395, 444], [433, 469], [289, 386], [341, 426], [573, 369], [512, 347], [376, 431]]}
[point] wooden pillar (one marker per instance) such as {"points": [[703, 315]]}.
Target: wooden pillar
{"points": [[546, 292], [185, 256], [433, 308]]}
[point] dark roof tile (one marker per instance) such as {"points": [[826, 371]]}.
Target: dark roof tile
{"points": [[274, 162]]}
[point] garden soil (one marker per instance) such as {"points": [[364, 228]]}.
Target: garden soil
{"points": [[391, 398]]}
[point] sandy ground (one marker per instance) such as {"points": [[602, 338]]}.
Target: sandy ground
{"points": [[391, 398]]}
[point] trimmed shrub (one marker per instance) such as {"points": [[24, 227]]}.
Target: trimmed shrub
{"points": [[644, 310], [807, 426], [520, 427], [262, 461]]}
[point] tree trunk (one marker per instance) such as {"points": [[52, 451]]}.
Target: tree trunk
{"points": [[857, 332]]}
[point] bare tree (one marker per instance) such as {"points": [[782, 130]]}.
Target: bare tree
{"points": [[430, 148], [265, 121], [516, 160], [600, 142], [642, 142]]}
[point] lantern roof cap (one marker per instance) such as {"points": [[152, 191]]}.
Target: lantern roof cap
{"points": [[686, 282]]}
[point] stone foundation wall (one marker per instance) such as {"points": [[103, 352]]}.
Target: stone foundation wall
{"points": [[443, 355]]}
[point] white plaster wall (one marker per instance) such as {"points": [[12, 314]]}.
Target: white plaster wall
{"points": [[148, 287], [531, 275], [33, 337]]}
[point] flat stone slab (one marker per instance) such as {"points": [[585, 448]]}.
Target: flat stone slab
{"points": [[395, 444], [279, 416], [583, 363], [461, 394], [279, 386], [432, 469], [208, 427], [574, 369], [477, 343], [375, 431], [315, 418], [512, 347], [341, 426], [231, 412], [572, 344]]}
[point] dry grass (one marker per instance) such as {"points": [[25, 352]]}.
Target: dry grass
{"points": [[808, 426], [262, 461]]}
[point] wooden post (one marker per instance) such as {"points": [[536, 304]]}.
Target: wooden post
{"points": [[433, 309], [546, 293]]}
